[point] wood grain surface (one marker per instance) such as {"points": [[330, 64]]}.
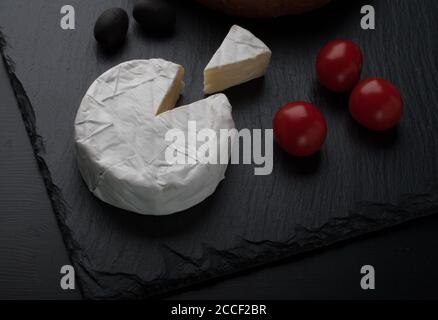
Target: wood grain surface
{"points": [[354, 167]]}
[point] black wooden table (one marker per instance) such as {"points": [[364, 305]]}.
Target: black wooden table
{"points": [[32, 252]]}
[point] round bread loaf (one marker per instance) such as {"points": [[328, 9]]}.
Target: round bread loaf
{"points": [[264, 8]]}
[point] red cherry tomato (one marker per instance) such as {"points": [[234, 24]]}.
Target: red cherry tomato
{"points": [[300, 128], [376, 104], [339, 65]]}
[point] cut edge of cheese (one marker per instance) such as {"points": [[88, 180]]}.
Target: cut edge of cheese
{"points": [[174, 93], [241, 57]]}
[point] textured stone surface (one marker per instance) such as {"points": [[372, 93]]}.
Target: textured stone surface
{"points": [[361, 182]]}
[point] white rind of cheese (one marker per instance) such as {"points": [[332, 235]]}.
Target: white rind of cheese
{"points": [[241, 57], [120, 133]]}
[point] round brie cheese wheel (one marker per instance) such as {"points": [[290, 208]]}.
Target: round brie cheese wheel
{"points": [[120, 136]]}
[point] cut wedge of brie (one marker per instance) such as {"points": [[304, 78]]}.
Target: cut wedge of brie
{"points": [[120, 131], [241, 57]]}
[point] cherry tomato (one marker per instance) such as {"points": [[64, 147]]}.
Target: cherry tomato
{"points": [[376, 104], [300, 128], [339, 65]]}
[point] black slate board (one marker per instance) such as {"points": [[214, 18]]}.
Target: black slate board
{"points": [[27, 224], [360, 182]]}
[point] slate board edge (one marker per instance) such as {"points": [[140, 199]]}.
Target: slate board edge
{"points": [[29, 119], [364, 218]]}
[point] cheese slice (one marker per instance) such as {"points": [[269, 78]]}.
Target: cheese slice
{"points": [[120, 131], [241, 57]]}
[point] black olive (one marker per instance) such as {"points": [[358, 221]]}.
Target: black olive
{"points": [[111, 27], [155, 16]]}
